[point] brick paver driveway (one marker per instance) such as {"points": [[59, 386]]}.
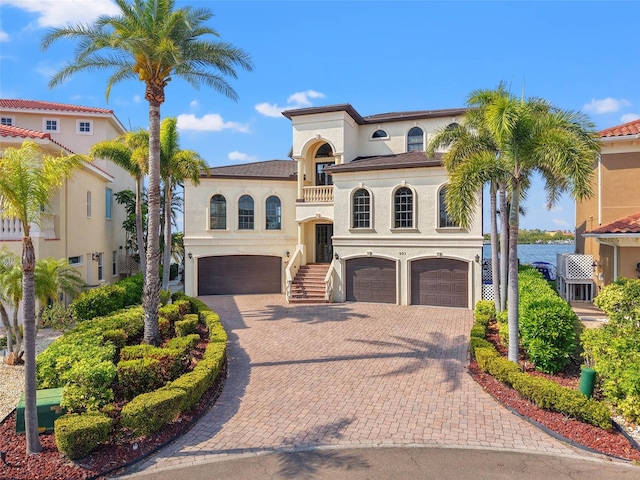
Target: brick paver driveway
{"points": [[353, 374]]}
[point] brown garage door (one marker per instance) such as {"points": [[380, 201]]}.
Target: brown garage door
{"points": [[439, 282], [371, 280], [239, 274]]}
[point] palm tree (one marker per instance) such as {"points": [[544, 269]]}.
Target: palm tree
{"points": [[27, 181], [54, 277], [130, 152], [175, 166], [530, 135], [153, 41], [11, 294]]}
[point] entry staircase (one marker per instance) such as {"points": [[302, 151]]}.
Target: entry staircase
{"points": [[309, 286]]}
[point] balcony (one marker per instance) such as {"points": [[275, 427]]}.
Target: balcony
{"points": [[11, 228], [318, 194]]}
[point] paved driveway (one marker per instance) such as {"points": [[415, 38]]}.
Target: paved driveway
{"points": [[350, 374]]}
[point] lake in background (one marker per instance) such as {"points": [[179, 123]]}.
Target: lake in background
{"points": [[534, 252]]}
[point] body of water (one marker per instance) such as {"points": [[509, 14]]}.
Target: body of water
{"points": [[528, 253]]}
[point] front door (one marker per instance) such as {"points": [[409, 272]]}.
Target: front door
{"points": [[324, 248]]}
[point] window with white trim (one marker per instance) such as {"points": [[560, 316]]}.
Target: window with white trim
{"points": [[84, 127], [108, 203], [100, 266], [9, 121], [218, 213], [361, 206], [75, 261], [245, 213], [114, 263], [415, 140], [444, 220], [51, 125], [273, 213], [379, 134], [403, 208]]}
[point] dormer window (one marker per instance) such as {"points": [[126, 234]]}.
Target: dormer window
{"points": [[415, 140], [379, 134]]}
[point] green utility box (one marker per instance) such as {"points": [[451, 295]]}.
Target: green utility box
{"points": [[48, 406]]}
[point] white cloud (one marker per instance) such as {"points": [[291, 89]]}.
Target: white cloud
{"points": [[296, 100], [561, 223], [193, 104], [629, 117], [606, 105], [237, 156], [57, 13], [4, 36], [211, 122], [137, 99]]}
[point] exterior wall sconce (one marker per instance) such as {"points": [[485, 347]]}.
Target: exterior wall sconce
{"points": [[288, 253], [336, 256], [477, 258], [95, 256], [190, 255]]}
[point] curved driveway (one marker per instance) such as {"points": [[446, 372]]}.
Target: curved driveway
{"points": [[347, 374]]}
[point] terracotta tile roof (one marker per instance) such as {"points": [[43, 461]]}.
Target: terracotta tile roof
{"points": [[629, 128], [17, 132], [388, 162], [269, 169], [630, 224], [39, 105], [382, 117]]}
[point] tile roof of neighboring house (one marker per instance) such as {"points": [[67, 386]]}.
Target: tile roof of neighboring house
{"points": [[388, 162], [630, 224], [39, 105], [629, 128], [269, 169], [382, 117], [17, 132]]}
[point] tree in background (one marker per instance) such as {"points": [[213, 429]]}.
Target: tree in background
{"points": [[154, 41], [27, 182]]}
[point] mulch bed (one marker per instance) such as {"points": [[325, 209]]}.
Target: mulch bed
{"points": [[49, 464], [612, 443]]}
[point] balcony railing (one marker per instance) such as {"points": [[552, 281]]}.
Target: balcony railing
{"points": [[11, 228], [319, 194]]}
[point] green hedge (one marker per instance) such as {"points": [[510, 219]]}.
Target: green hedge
{"points": [[104, 300], [187, 326], [149, 412], [77, 435], [140, 375]]}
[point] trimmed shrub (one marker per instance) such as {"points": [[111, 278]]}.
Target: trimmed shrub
{"points": [[165, 297], [184, 306], [194, 384], [484, 356], [140, 375], [164, 327], [502, 369], [88, 385], [187, 326], [132, 352], [170, 312], [149, 412], [478, 331], [104, 300], [116, 336], [485, 311], [185, 344], [78, 435], [476, 342]]}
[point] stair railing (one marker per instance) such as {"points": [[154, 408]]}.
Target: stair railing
{"points": [[291, 270], [328, 282]]}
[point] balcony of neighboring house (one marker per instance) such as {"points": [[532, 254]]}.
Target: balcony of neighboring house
{"points": [[11, 228], [318, 194]]}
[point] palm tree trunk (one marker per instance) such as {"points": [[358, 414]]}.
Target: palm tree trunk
{"points": [[16, 330], [7, 326], [139, 229], [151, 295], [495, 266], [513, 300], [29, 320], [504, 246], [166, 261]]}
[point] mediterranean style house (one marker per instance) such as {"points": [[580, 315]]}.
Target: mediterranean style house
{"points": [[608, 224], [357, 214], [83, 222]]}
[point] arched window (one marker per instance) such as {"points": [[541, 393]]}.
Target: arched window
{"points": [[324, 151], [274, 213], [415, 140], [361, 209], [245, 213], [403, 208], [218, 213], [445, 220], [380, 134], [453, 125]]}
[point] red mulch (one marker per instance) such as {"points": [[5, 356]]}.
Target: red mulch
{"points": [[49, 464], [611, 443]]}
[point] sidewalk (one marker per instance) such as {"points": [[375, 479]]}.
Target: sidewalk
{"points": [[591, 316]]}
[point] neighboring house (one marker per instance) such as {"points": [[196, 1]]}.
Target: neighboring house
{"points": [[84, 222], [608, 224], [357, 215]]}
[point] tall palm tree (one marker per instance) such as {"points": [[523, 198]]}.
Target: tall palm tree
{"points": [[155, 42], [130, 152], [28, 179], [531, 136], [11, 294], [175, 166], [54, 277]]}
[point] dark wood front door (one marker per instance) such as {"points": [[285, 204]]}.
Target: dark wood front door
{"points": [[324, 247]]}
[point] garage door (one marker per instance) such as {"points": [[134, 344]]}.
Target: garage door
{"points": [[439, 282], [239, 274], [371, 280]]}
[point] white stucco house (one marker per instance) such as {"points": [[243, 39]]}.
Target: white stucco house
{"points": [[357, 214]]}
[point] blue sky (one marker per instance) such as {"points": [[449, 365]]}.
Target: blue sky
{"points": [[378, 56]]}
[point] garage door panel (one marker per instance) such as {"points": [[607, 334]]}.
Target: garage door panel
{"points": [[439, 282], [371, 280], [239, 274]]}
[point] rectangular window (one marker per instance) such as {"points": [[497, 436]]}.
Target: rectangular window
{"points": [[114, 263], [6, 121], [108, 202], [51, 125], [84, 127], [73, 261], [100, 266], [89, 204]]}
